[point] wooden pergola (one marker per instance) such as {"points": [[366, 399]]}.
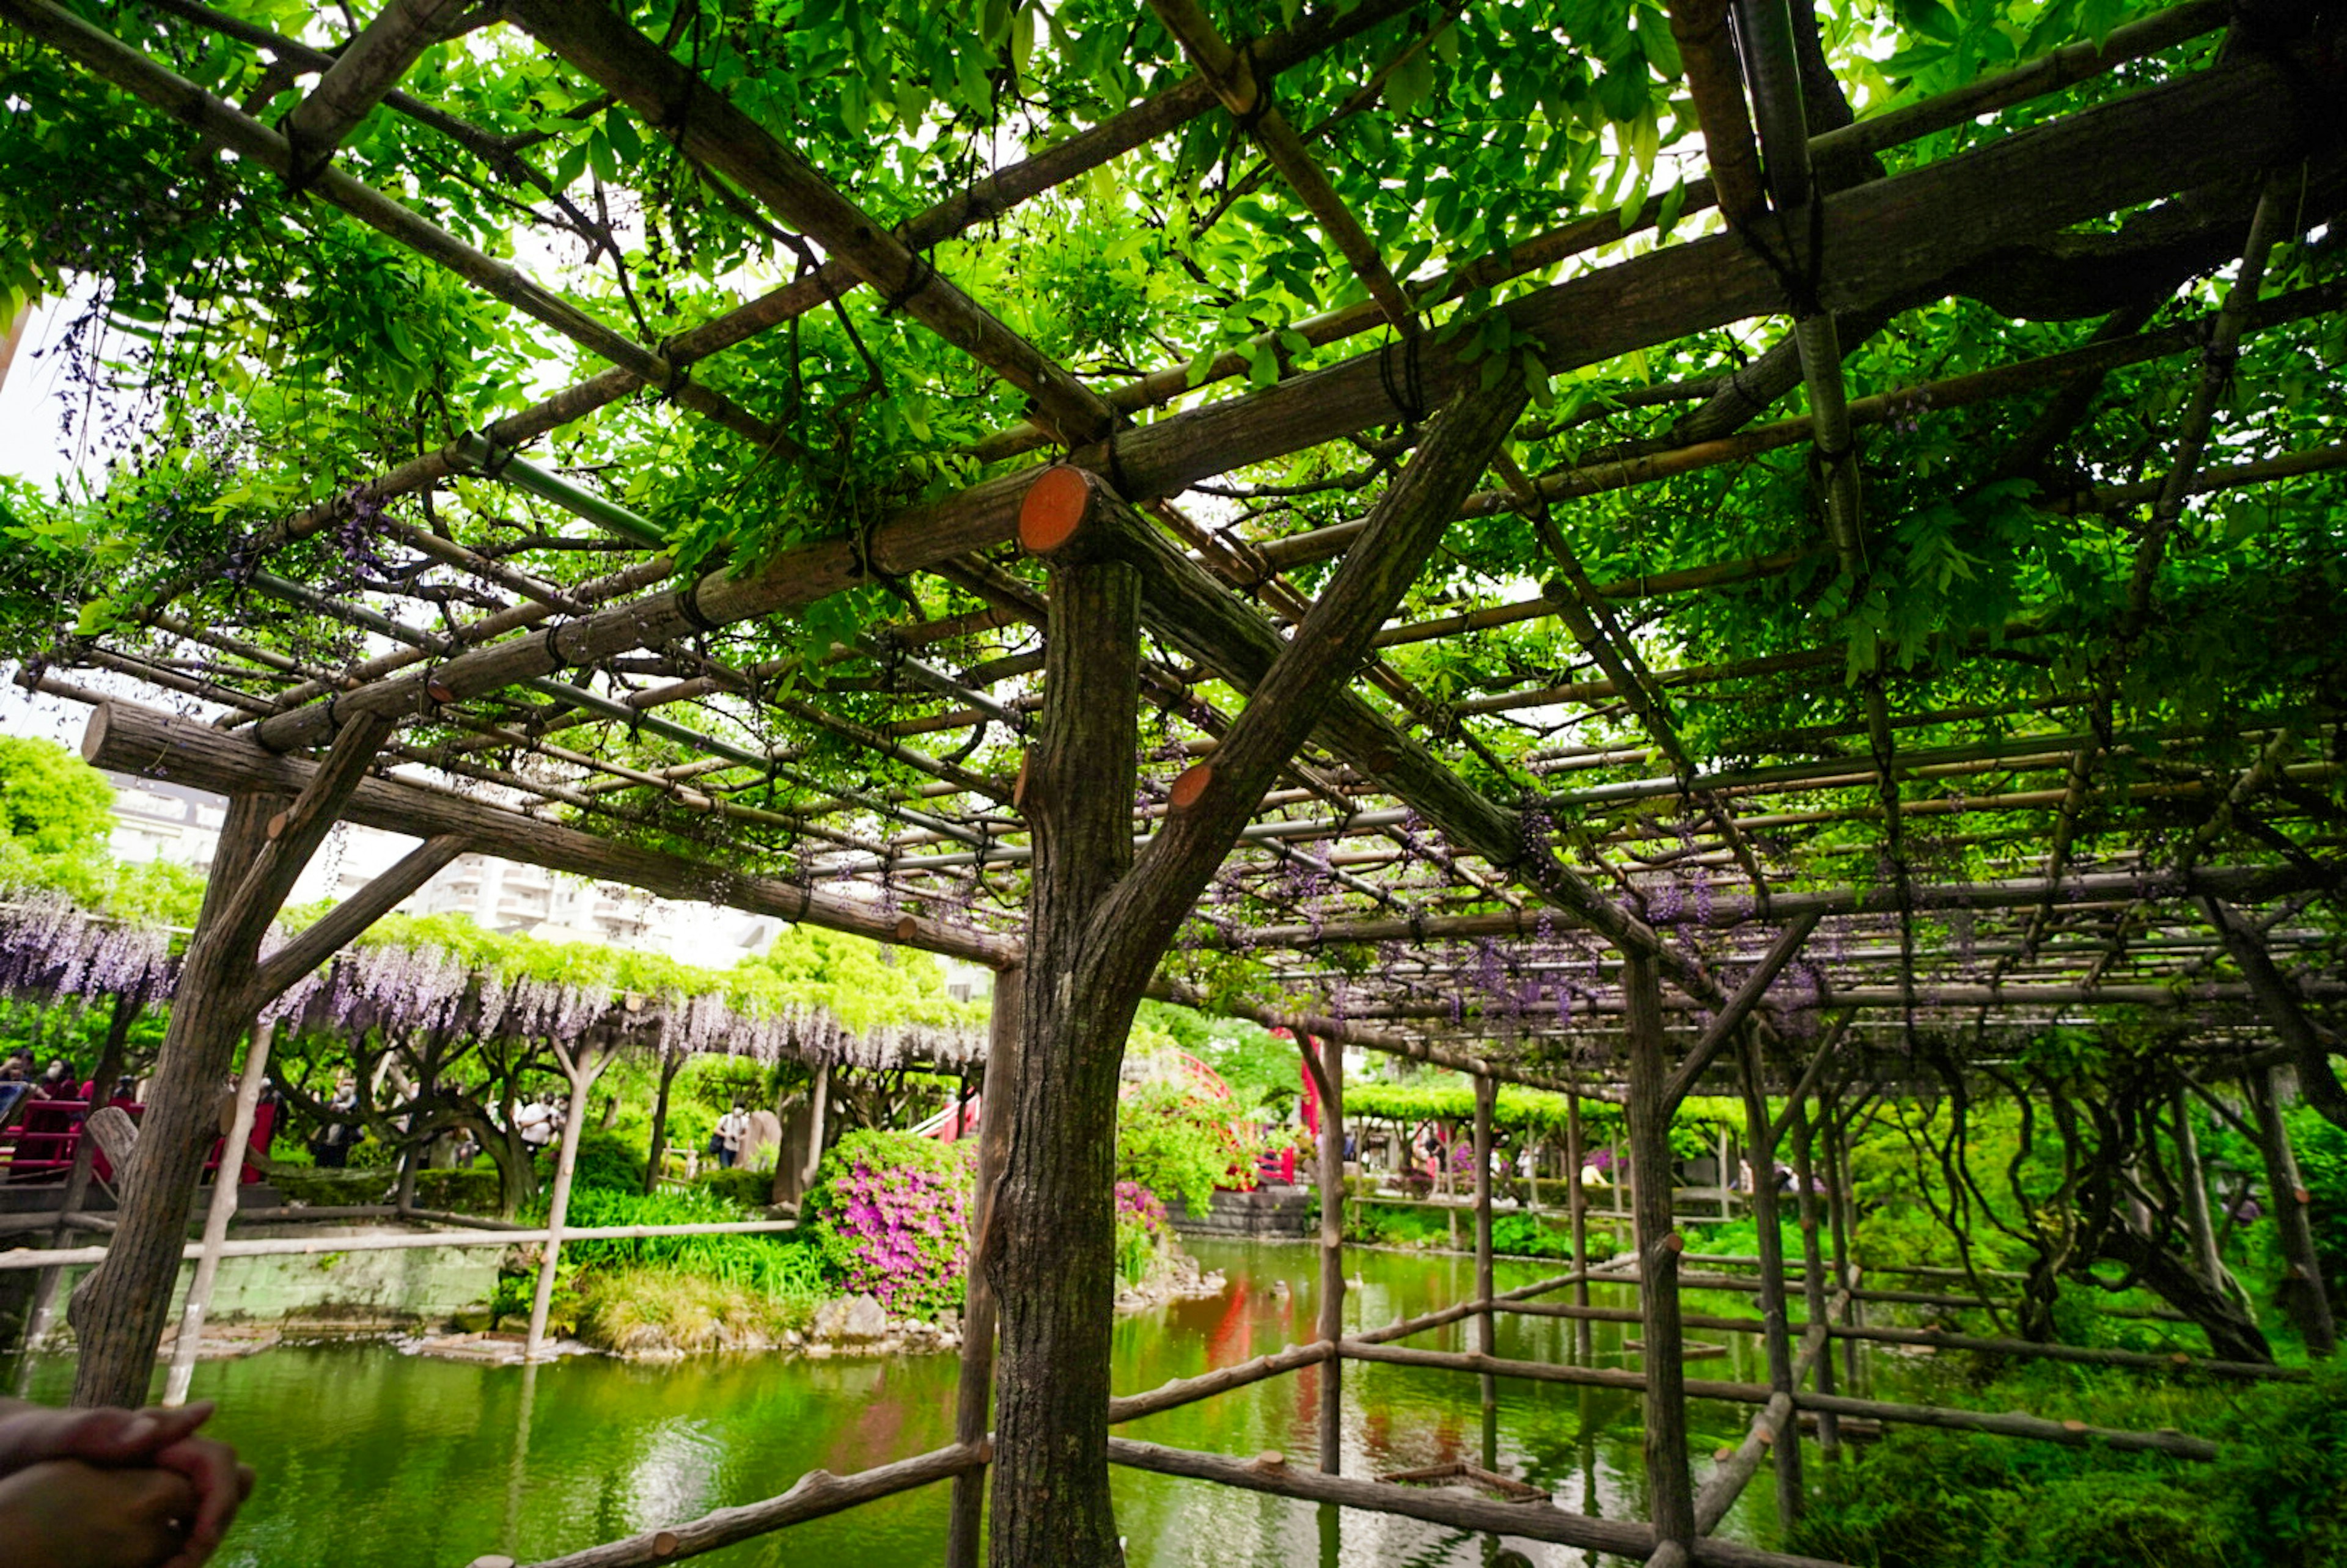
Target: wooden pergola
{"points": [[1163, 737]]}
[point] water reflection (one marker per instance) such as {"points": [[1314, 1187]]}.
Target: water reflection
{"points": [[370, 1459]]}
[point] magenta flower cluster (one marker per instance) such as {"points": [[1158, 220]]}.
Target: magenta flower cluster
{"points": [[1137, 1205], [898, 1232]]}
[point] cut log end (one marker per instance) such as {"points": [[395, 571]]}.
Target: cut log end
{"points": [[907, 927], [1054, 508], [93, 735], [1271, 1459], [276, 828], [439, 691], [1190, 785], [1674, 1242], [665, 1543], [2073, 1426]]}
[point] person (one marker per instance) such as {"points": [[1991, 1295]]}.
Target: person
{"points": [[57, 1083], [13, 1086], [115, 1489], [536, 1122], [331, 1146], [730, 1128]]}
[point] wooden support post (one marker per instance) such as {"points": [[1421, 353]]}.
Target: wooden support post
{"points": [[41, 1320], [653, 1156], [818, 1107], [1332, 1249], [1833, 1127], [1486, 1095], [1669, 1487], [2303, 1293], [1813, 1272], [226, 1182], [118, 1312], [1577, 1212], [2194, 1181], [1726, 1207], [582, 1070], [1760, 1145], [973, 1408]]}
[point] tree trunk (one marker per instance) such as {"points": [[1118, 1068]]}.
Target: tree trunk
{"points": [[2303, 1292], [669, 1064], [1053, 1263], [2233, 1334], [118, 1312], [973, 1405]]}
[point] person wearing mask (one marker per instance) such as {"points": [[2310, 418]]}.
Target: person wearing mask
{"points": [[57, 1081], [730, 1127], [115, 1489]]}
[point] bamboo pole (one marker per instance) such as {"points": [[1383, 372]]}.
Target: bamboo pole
{"points": [[226, 1184], [1838, 1220], [818, 1493], [1271, 1473], [973, 1404], [582, 1074], [2013, 1424], [1577, 1213], [1648, 1115], [1332, 1248], [401, 1241]]}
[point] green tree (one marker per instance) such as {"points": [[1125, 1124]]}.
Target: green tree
{"points": [[51, 802]]}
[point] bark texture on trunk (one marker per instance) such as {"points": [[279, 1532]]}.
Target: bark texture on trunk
{"points": [[1099, 920], [1053, 1262], [2303, 1293], [118, 1314], [974, 1403]]}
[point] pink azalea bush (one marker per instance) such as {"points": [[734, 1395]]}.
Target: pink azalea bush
{"points": [[1142, 1231], [890, 1212]]}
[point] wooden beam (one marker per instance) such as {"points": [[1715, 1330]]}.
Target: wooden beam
{"points": [[139, 741], [674, 101], [1730, 1017], [366, 69], [1897, 234]]}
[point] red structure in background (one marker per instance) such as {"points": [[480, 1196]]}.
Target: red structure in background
{"points": [[42, 1142]]}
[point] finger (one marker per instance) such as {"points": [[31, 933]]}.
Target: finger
{"points": [[219, 1483], [113, 1437]]}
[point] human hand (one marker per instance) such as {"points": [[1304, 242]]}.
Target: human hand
{"points": [[164, 1438], [70, 1513]]}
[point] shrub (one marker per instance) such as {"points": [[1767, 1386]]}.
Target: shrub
{"points": [[652, 1309], [607, 1161], [2276, 1494], [1181, 1147], [1142, 1232], [889, 1213], [751, 1189]]}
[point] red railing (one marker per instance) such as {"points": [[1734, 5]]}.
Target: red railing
{"points": [[40, 1144]]}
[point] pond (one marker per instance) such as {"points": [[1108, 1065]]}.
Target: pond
{"points": [[373, 1458]]}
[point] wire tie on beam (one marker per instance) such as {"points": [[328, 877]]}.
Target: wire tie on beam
{"points": [[917, 277], [688, 604]]}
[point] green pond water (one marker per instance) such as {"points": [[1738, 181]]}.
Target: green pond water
{"points": [[370, 1458]]}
